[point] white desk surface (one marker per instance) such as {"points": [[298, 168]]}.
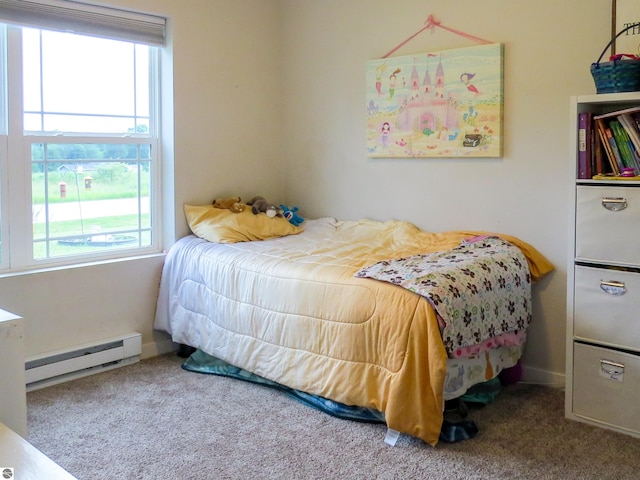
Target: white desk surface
{"points": [[27, 461], [6, 316], [13, 400]]}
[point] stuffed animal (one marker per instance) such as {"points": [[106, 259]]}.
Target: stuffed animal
{"points": [[292, 215], [260, 204], [231, 203]]}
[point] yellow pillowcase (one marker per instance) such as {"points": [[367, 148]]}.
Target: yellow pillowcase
{"points": [[223, 226]]}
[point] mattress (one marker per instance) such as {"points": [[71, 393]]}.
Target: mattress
{"points": [[291, 310]]}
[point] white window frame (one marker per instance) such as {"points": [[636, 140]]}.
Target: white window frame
{"points": [[15, 176], [4, 179]]}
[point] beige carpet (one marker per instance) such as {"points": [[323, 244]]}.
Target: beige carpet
{"points": [[153, 420]]}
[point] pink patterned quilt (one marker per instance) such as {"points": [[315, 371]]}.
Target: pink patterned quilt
{"points": [[481, 290]]}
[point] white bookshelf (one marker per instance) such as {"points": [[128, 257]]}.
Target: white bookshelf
{"points": [[603, 288]]}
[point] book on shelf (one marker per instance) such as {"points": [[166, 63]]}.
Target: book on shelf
{"points": [[631, 128], [617, 156], [623, 143], [606, 145], [597, 149], [608, 142], [615, 113]]}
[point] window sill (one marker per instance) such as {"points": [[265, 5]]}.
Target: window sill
{"points": [[80, 265]]}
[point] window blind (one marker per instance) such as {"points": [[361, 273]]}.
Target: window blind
{"points": [[86, 19]]}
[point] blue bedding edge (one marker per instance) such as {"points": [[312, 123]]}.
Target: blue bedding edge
{"points": [[201, 362]]}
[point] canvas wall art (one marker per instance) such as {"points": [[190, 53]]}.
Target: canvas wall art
{"points": [[439, 104], [627, 13]]}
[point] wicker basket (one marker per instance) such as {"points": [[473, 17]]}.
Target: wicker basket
{"points": [[619, 74]]}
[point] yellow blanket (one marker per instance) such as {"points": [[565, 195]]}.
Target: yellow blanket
{"points": [[291, 310]]}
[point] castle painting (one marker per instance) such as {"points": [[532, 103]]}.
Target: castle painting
{"points": [[442, 104]]}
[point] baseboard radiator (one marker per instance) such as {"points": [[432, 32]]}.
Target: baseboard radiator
{"points": [[64, 365]]}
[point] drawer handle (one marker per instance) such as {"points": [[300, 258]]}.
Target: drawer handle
{"points": [[614, 204], [613, 288], [612, 370]]}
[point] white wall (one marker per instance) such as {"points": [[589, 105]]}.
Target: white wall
{"points": [[269, 99], [225, 82], [549, 46]]}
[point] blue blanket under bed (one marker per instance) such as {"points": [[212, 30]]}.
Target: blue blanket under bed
{"points": [[201, 362]]}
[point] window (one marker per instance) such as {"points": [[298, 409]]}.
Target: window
{"points": [[79, 142]]}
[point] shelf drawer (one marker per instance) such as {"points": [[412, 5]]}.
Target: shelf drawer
{"points": [[606, 306], [606, 385], [608, 224]]}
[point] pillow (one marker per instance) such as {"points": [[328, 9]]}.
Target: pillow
{"points": [[223, 226]]}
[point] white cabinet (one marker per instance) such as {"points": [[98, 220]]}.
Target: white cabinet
{"points": [[603, 296], [13, 397], [607, 223], [606, 383]]}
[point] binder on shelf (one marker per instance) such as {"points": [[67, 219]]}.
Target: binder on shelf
{"points": [[584, 145]]}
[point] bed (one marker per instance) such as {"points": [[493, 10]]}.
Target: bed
{"points": [[329, 309]]}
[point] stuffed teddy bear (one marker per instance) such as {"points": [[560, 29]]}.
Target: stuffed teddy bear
{"points": [[260, 204], [231, 203], [292, 215]]}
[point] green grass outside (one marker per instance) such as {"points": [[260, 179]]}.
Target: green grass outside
{"points": [[107, 184], [110, 182], [91, 226]]}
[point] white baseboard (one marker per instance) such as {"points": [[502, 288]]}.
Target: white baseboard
{"points": [[539, 376]]}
